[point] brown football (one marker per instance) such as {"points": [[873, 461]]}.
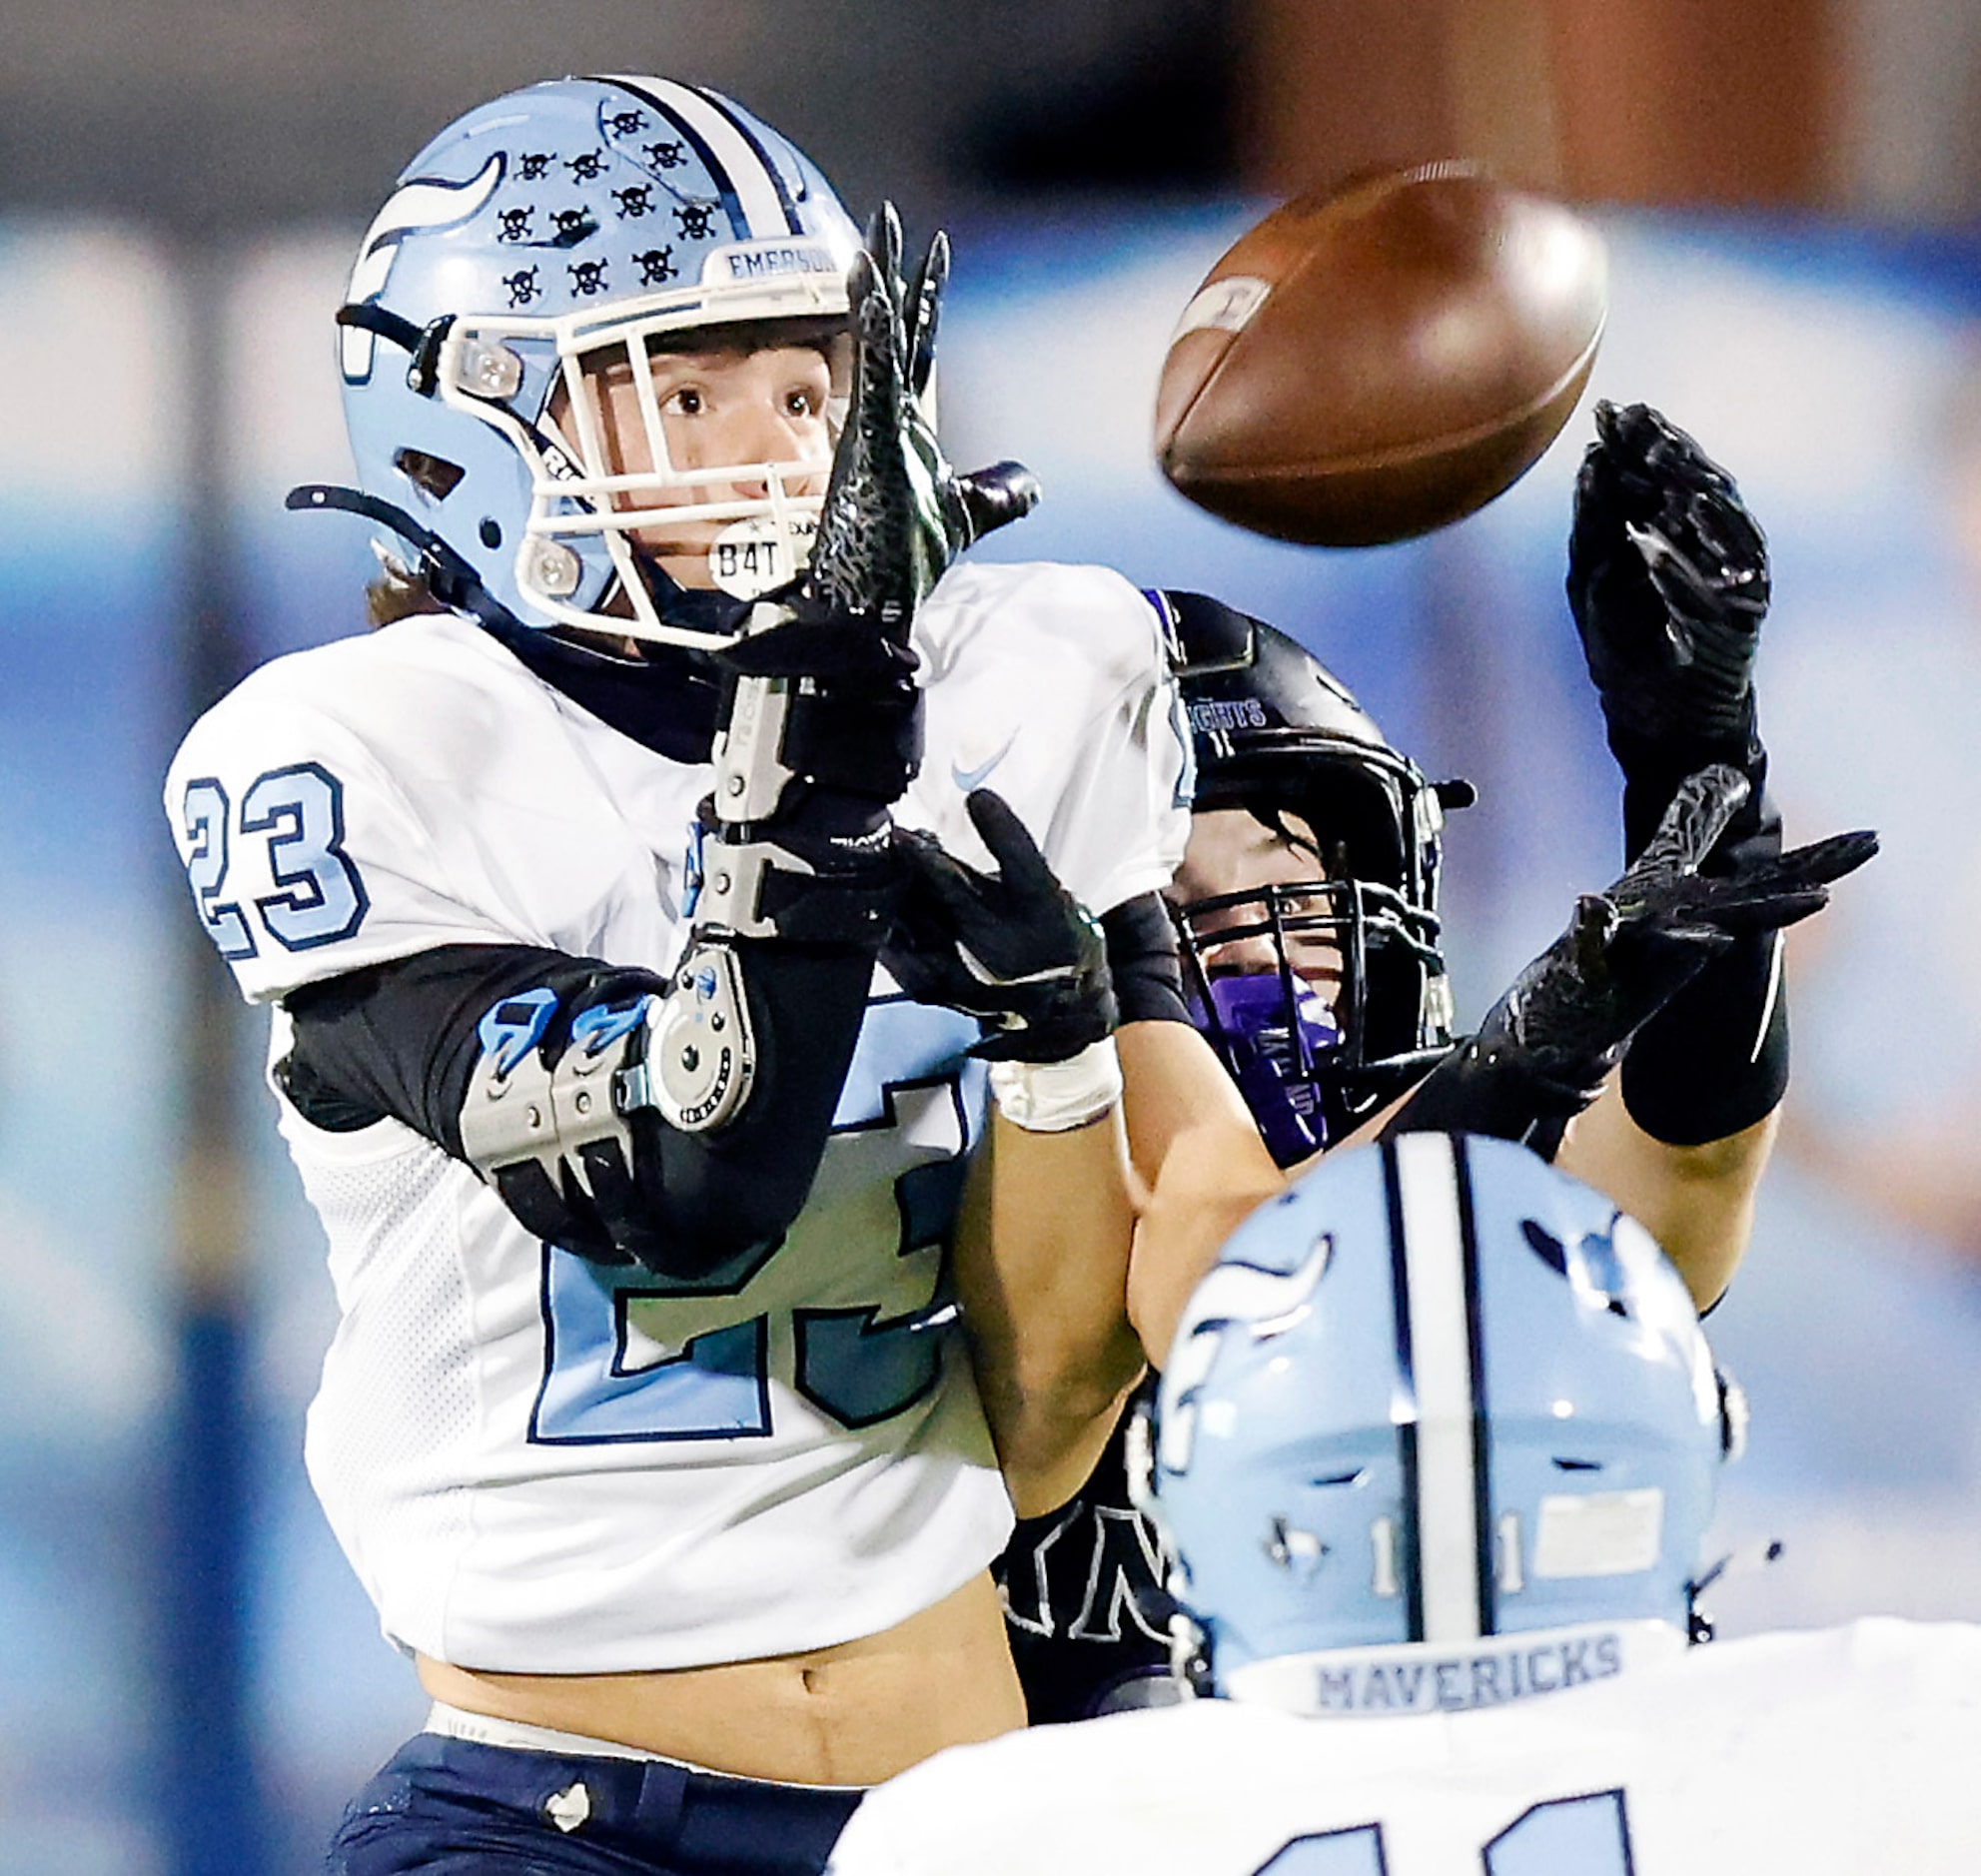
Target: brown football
{"points": [[1370, 364]]}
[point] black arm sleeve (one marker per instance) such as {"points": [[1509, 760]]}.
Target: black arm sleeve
{"points": [[400, 1039], [1472, 1092], [1714, 1059], [1143, 961]]}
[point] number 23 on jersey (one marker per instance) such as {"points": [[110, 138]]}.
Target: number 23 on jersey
{"points": [[292, 820]]}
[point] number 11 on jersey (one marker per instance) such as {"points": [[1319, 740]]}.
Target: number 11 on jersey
{"points": [[1583, 1836]]}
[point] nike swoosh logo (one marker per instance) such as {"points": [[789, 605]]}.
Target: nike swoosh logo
{"points": [[971, 779]]}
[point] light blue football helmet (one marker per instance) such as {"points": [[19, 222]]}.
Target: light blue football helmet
{"points": [[1439, 1430], [574, 225]]}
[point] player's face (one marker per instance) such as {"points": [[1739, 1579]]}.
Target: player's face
{"points": [[1230, 851], [719, 409]]}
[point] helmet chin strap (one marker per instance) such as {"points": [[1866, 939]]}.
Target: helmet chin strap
{"points": [[699, 608], [457, 586], [450, 579]]}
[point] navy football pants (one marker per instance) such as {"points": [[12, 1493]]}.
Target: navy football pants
{"points": [[444, 1807]]}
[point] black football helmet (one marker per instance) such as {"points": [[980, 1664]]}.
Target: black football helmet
{"points": [[1274, 733]]}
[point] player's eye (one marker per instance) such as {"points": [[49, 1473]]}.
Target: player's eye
{"points": [[687, 402], [803, 402]]}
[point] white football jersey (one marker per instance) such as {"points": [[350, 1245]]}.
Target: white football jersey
{"points": [[540, 1465], [1847, 1753]]}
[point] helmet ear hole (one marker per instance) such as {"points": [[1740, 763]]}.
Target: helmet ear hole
{"points": [[1734, 1416], [431, 474]]}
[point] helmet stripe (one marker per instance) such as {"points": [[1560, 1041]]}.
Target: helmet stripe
{"points": [[1443, 1339], [1481, 1432], [753, 196], [750, 137]]}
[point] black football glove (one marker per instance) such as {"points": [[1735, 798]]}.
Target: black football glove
{"points": [[1013, 948], [1668, 584], [896, 515], [893, 518], [1545, 1047]]}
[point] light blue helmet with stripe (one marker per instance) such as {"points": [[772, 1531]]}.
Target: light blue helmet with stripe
{"points": [[1439, 1430], [569, 227]]}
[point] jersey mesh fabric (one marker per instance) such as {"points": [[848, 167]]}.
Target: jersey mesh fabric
{"points": [[539, 1466], [399, 1430]]}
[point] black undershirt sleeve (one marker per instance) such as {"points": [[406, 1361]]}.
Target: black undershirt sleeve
{"points": [[1143, 961], [401, 1040]]}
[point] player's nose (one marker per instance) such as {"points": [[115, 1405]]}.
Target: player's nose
{"points": [[759, 430], [1241, 956], [1318, 964]]}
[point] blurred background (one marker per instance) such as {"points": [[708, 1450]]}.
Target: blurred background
{"points": [[191, 1680]]}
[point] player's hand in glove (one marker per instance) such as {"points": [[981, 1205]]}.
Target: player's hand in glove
{"points": [[835, 641], [1013, 948], [1545, 1047], [836, 705], [1668, 584], [896, 515]]}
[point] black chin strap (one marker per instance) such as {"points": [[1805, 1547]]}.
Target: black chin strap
{"points": [[448, 577], [457, 586], [668, 699], [701, 609]]}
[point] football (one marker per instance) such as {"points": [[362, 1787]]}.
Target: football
{"points": [[1372, 362]]}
